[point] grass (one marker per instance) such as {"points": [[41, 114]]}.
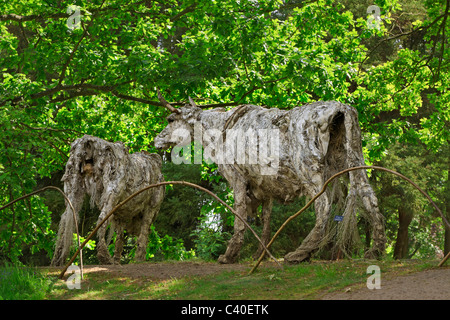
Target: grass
{"points": [[24, 283], [305, 281], [102, 287]]}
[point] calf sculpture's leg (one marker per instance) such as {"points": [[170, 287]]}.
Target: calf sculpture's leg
{"points": [[235, 244], [65, 232], [119, 242], [102, 250]]}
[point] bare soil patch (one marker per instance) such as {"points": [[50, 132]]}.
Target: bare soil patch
{"points": [[165, 270], [426, 285]]}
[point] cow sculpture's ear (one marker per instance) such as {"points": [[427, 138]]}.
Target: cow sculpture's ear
{"points": [[171, 117]]}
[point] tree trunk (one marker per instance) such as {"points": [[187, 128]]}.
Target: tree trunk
{"points": [[447, 214], [401, 245]]}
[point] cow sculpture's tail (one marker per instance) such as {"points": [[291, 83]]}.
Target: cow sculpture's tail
{"points": [[360, 198], [329, 142]]}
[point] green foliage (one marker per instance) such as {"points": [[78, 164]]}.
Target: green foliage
{"points": [[426, 238], [181, 207], [25, 226], [166, 247], [88, 251], [159, 248], [23, 283], [210, 241], [426, 232], [293, 234]]}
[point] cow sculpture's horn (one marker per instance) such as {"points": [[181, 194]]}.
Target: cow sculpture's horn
{"points": [[191, 101], [165, 103]]}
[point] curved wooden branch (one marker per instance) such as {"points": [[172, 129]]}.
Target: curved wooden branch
{"points": [[443, 260], [323, 190], [71, 207], [158, 185]]}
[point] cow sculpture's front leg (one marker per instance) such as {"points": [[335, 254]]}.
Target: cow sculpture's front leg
{"points": [[240, 206], [265, 237]]}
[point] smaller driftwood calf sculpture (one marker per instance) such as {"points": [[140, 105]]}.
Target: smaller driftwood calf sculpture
{"points": [[108, 173]]}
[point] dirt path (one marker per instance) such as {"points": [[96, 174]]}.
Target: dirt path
{"points": [[164, 271], [427, 285]]}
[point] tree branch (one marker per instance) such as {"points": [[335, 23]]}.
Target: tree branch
{"points": [[436, 20], [183, 12], [71, 207], [158, 185], [87, 89], [18, 18], [446, 222]]}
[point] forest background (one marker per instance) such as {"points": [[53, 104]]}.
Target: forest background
{"points": [[69, 68]]}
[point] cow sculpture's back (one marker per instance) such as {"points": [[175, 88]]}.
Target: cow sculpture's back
{"points": [[312, 142], [108, 173]]}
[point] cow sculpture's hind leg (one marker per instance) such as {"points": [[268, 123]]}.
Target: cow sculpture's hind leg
{"points": [[312, 241], [369, 200]]}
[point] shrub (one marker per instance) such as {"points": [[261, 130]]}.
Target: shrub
{"points": [[210, 241], [166, 247]]}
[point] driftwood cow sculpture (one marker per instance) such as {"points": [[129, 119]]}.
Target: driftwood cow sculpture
{"points": [[108, 173], [312, 142]]}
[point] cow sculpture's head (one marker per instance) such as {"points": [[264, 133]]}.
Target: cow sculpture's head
{"points": [[180, 126]]}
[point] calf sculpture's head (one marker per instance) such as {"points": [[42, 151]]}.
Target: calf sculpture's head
{"points": [[180, 126], [92, 160], [80, 163]]}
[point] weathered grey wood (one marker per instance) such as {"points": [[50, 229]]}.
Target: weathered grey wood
{"points": [[315, 141], [108, 173]]}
